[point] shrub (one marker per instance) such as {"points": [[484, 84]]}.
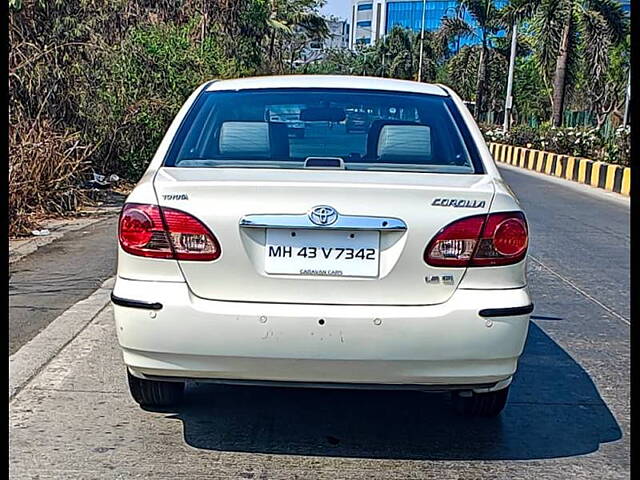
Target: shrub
{"points": [[522, 135], [148, 78], [93, 85], [577, 142], [617, 148], [44, 169], [493, 133]]}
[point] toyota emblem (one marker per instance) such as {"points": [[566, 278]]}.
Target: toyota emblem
{"points": [[323, 215]]}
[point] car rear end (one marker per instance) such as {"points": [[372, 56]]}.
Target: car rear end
{"points": [[395, 259]]}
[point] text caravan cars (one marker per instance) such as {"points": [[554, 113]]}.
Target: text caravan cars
{"points": [[271, 241]]}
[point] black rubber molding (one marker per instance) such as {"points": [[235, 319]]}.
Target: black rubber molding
{"points": [[125, 302], [506, 312]]}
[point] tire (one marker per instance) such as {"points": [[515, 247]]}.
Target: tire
{"points": [[154, 393], [488, 404]]}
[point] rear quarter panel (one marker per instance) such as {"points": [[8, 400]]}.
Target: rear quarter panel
{"points": [[504, 277]]}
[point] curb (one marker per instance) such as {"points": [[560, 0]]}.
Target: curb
{"points": [[27, 362], [612, 178]]}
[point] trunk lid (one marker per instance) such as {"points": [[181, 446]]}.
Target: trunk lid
{"points": [[222, 197]]}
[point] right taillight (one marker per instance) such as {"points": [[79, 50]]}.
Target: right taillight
{"points": [[152, 231], [479, 241]]}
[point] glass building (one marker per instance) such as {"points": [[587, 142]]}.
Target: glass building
{"points": [[372, 19], [626, 6]]}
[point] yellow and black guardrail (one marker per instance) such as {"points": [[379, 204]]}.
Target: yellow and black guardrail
{"points": [[613, 178]]}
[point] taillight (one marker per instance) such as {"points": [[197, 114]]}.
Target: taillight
{"points": [[149, 231], [481, 240], [454, 245], [504, 240]]}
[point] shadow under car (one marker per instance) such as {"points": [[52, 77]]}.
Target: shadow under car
{"points": [[554, 410]]}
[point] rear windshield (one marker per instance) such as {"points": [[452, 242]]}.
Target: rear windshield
{"points": [[305, 128]]}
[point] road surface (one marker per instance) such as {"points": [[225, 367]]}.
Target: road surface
{"points": [[47, 282]]}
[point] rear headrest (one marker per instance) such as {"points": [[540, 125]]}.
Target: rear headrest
{"points": [[374, 134], [245, 138], [404, 143]]}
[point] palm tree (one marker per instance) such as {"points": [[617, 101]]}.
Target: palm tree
{"points": [[567, 30], [396, 54], [290, 17], [461, 70], [488, 21], [430, 58]]}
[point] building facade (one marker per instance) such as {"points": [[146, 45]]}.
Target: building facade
{"points": [[373, 19], [338, 35], [316, 48], [626, 6]]}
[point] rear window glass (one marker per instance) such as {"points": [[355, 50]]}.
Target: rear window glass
{"points": [[293, 128]]}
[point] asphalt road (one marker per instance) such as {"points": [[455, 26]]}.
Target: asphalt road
{"points": [[56, 276], [567, 417]]}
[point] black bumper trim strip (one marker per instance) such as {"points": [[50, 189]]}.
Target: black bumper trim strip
{"points": [[125, 302], [331, 385], [506, 312]]}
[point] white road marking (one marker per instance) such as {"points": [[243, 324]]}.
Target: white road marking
{"points": [[580, 291]]}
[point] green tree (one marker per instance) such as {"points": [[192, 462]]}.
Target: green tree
{"points": [[567, 31], [462, 70], [146, 80], [488, 21], [94, 84], [288, 19], [530, 96], [395, 56], [337, 61]]}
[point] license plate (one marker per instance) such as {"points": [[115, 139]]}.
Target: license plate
{"points": [[337, 253]]}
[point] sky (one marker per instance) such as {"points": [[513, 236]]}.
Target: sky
{"points": [[339, 8]]}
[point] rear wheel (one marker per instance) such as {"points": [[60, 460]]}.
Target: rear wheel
{"points": [[154, 393], [486, 404]]}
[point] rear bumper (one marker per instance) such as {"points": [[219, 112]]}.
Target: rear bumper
{"points": [[447, 345]]}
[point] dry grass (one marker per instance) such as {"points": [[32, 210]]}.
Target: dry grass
{"points": [[45, 166]]}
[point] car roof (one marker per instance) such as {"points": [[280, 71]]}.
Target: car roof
{"points": [[327, 81]]}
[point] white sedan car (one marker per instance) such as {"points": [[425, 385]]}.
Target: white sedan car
{"points": [[387, 258]]}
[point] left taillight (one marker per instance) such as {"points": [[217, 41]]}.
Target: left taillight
{"points": [[151, 231]]}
